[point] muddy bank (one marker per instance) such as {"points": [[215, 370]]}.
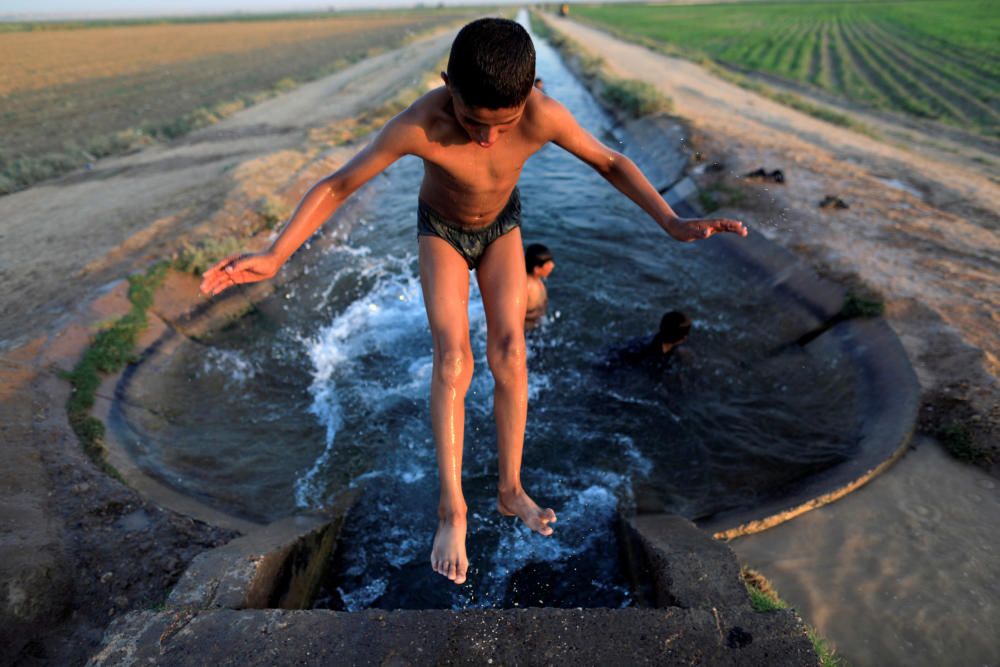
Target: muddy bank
{"points": [[80, 548]]}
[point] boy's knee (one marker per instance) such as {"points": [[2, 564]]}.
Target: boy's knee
{"points": [[507, 354], [453, 367]]}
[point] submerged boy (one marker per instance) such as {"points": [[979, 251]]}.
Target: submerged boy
{"points": [[474, 135], [538, 264]]}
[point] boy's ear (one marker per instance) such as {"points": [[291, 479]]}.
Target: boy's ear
{"points": [[444, 77]]}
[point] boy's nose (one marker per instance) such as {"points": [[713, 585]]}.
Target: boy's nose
{"points": [[488, 136]]}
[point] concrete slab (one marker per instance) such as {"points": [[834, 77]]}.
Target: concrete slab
{"points": [[689, 569], [278, 565], [500, 637]]}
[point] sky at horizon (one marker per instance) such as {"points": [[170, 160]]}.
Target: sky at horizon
{"points": [[111, 8]]}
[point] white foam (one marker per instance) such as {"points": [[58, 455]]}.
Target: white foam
{"points": [[235, 366], [360, 598], [389, 320]]}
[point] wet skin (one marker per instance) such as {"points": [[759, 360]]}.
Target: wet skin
{"points": [[472, 160], [538, 296]]}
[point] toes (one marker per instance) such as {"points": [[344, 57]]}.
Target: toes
{"points": [[451, 570], [549, 515], [545, 530], [463, 569]]}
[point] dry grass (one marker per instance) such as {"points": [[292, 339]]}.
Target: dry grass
{"points": [[68, 96]]}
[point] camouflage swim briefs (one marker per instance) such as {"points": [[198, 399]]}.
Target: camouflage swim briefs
{"points": [[470, 243]]}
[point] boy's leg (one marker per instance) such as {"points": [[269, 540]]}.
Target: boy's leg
{"points": [[503, 283], [444, 277]]}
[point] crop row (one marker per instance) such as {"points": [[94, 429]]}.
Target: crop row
{"points": [[894, 57]]}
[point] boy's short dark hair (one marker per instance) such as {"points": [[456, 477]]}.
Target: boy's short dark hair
{"points": [[492, 64], [536, 255], [674, 327]]}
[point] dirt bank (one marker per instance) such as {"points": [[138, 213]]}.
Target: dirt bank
{"points": [[79, 548], [64, 239]]}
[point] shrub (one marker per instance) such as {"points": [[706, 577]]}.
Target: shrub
{"points": [[198, 258], [273, 211]]}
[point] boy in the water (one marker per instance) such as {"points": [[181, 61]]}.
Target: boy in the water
{"points": [[538, 264], [474, 135]]}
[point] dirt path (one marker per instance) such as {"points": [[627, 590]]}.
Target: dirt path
{"points": [[62, 240], [904, 571], [880, 571]]}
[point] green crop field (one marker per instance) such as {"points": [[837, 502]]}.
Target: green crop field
{"points": [[935, 59]]}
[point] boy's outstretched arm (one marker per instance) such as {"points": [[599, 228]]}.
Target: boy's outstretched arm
{"points": [[399, 137], [622, 173]]}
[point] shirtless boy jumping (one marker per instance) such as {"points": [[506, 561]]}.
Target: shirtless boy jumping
{"points": [[474, 135]]}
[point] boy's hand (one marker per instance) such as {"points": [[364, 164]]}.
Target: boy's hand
{"points": [[239, 269], [695, 229]]}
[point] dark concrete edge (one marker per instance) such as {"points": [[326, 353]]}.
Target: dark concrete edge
{"points": [[705, 617], [278, 566], [530, 636], [888, 389]]}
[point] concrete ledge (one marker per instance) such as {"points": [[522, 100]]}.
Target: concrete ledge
{"points": [[280, 565], [709, 622], [688, 569], [510, 637]]}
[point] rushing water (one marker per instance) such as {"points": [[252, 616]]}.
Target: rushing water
{"points": [[326, 386]]}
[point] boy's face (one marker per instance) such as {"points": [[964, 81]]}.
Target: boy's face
{"points": [[544, 270], [484, 126]]}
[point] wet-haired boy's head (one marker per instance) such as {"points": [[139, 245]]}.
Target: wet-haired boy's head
{"points": [[536, 255], [674, 327], [492, 64]]}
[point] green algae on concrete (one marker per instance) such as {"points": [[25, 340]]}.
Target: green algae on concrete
{"points": [[111, 349]]}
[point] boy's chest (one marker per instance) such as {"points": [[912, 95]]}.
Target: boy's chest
{"points": [[472, 167]]}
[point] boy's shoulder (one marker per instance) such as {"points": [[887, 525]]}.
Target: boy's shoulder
{"points": [[433, 110], [428, 109]]}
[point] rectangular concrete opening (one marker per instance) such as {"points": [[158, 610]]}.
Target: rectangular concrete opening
{"points": [[325, 574]]}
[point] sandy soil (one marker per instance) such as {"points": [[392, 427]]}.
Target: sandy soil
{"points": [[905, 571]]}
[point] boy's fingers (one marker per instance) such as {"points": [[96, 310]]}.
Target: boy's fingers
{"points": [[734, 226], [217, 283]]}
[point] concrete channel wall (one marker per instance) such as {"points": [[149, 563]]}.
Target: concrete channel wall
{"points": [[248, 602], [222, 611]]}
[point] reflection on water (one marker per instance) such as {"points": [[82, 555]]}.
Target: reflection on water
{"points": [[326, 386]]}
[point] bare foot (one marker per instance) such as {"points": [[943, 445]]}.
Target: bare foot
{"points": [[448, 553], [517, 503]]}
